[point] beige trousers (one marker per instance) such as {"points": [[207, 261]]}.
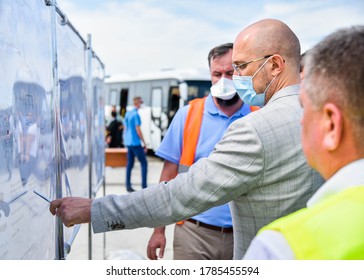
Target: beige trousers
{"points": [[193, 242]]}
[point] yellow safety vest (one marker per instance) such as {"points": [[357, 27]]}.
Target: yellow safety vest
{"points": [[330, 230]]}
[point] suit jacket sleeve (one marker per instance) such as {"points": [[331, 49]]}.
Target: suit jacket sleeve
{"points": [[209, 182]]}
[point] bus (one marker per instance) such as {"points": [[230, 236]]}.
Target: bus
{"points": [[163, 93]]}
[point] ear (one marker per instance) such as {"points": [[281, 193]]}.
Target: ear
{"points": [[277, 64], [332, 126]]}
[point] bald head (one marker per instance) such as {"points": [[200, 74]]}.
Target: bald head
{"points": [[269, 36]]}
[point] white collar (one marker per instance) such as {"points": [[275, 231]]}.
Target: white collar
{"points": [[351, 175]]}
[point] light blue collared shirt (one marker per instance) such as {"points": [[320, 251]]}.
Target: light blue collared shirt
{"points": [[213, 127], [131, 120]]}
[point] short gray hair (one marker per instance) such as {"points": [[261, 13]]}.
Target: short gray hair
{"points": [[334, 72]]}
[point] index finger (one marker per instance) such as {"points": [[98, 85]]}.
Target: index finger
{"points": [[54, 205]]}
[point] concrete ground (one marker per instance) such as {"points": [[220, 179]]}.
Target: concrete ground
{"points": [[124, 244]]}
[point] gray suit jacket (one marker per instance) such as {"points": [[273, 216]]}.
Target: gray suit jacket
{"points": [[258, 165]]}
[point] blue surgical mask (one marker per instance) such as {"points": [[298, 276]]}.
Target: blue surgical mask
{"points": [[245, 89]]}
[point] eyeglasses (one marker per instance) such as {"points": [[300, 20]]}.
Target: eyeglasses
{"points": [[237, 67]]}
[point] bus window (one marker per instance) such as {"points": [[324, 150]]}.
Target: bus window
{"points": [[113, 97], [198, 89], [123, 101], [195, 89], [173, 103], [192, 92], [156, 104]]}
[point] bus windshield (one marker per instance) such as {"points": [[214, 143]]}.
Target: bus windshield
{"points": [[198, 89]]}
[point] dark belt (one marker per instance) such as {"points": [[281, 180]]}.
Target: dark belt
{"points": [[220, 229]]}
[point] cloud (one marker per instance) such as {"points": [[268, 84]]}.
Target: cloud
{"points": [[149, 35], [135, 36], [313, 20]]}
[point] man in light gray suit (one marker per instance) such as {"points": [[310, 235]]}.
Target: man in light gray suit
{"points": [[258, 165]]}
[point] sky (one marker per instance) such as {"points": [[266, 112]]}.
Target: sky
{"points": [[133, 36]]}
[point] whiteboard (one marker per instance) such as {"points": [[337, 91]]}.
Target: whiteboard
{"points": [[47, 111], [73, 117], [26, 129]]}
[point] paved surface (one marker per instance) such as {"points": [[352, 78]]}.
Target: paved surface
{"points": [[124, 244]]}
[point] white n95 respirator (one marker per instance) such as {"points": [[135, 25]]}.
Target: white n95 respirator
{"points": [[223, 89]]}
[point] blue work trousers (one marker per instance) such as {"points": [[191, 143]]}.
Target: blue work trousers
{"points": [[136, 151]]}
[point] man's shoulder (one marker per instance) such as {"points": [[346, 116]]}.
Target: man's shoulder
{"points": [[115, 121], [276, 115], [111, 125], [181, 114], [131, 114]]}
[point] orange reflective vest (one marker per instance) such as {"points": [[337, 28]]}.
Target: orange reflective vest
{"points": [[191, 132]]}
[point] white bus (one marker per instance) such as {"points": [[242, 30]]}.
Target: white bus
{"points": [[163, 94]]}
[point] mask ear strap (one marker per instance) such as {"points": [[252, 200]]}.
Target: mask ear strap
{"points": [[260, 67], [269, 84]]}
